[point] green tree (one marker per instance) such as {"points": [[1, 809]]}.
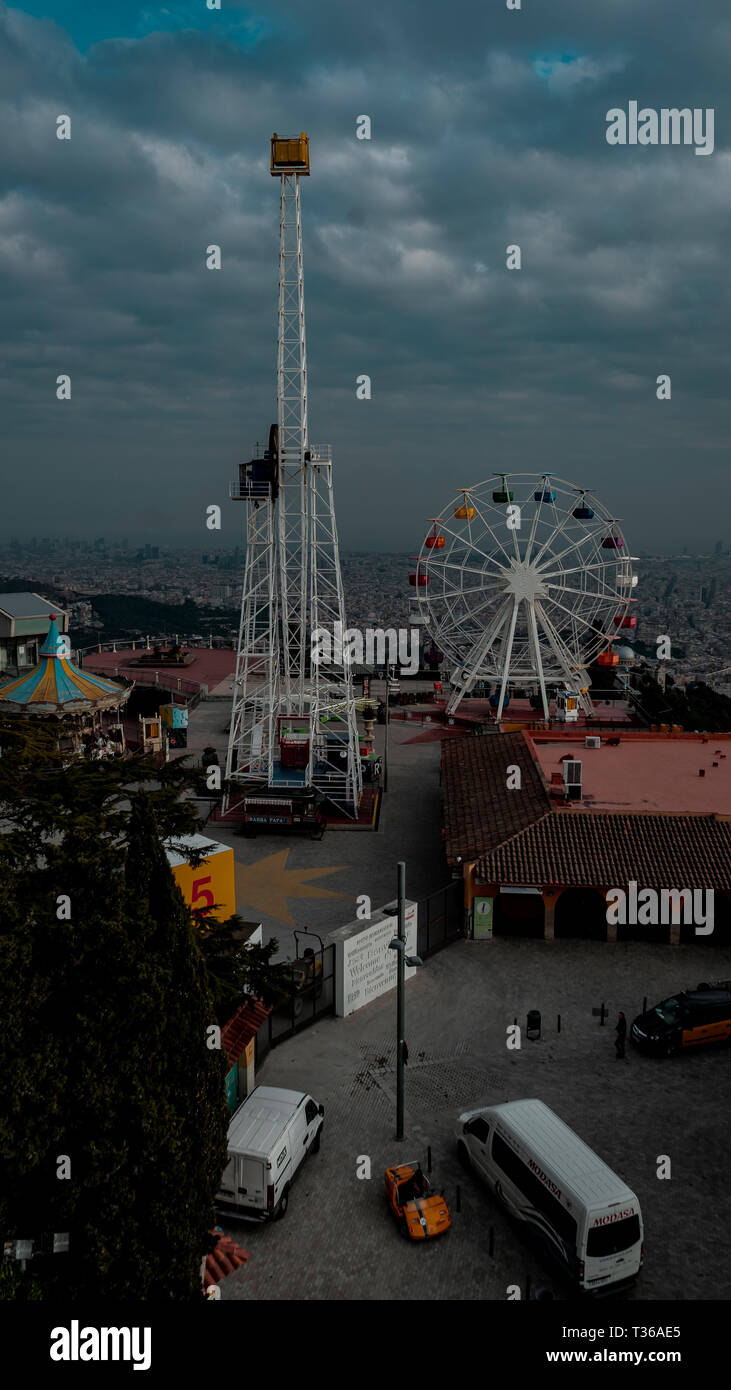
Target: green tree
{"points": [[106, 1011], [236, 969]]}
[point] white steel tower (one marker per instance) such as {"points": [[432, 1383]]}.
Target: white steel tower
{"points": [[293, 720]]}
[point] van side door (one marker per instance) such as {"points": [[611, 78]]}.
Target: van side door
{"points": [[250, 1181], [477, 1134], [312, 1120]]}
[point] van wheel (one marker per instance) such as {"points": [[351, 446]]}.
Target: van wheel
{"points": [[315, 1145], [283, 1204], [464, 1157]]}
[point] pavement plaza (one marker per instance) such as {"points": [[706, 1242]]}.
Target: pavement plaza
{"points": [[338, 1240]]}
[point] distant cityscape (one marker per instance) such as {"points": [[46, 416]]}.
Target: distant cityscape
{"points": [[112, 589]]}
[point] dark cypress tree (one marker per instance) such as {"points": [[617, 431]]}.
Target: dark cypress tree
{"points": [[105, 1055]]}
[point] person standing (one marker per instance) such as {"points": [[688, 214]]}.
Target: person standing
{"points": [[621, 1038]]}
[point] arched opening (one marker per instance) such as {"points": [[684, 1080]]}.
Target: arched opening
{"points": [[581, 912], [721, 934], [632, 931], [519, 914]]}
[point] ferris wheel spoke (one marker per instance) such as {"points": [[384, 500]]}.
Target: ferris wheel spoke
{"points": [[537, 656], [506, 658], [470, 668], [557, 531], [534, 523], [574, 549], [475, 503], [453, 579], [585, 593], [576, 617], [441, 566], [575, 569], [567, 663]]}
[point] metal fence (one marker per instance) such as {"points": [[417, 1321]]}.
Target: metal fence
{"points": [[440, 921], [303, 1007], [441, 918]]}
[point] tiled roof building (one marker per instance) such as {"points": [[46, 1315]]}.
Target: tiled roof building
{"points": [[536, 863], [480, 811], [591, 849]]}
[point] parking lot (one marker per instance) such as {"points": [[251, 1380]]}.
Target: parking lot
{"points": [[338, 1239]]}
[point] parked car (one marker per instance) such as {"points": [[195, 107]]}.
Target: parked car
{"points": [[688, 1019], [269, 1136], [420, 1208]]}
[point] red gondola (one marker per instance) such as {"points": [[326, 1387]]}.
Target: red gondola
{"points": [[434, 541]]}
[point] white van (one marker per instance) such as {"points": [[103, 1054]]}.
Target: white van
{"points": [[268, 1137], [545, 1175]]}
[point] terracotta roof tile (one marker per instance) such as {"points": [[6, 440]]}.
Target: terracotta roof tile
{"points": [[479, 810], [593, 848], [223, 1260], [242, 1026]]}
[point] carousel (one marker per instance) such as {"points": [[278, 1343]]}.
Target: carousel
{"points": [[87, 706]]}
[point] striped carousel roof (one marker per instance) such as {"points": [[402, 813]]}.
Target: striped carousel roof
{"points": [[57, 686]]}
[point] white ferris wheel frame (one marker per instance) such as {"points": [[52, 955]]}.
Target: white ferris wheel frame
{"points": [[527, 598]]}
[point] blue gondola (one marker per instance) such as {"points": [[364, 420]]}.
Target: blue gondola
{"points": [[583, 513], [544, 495]]}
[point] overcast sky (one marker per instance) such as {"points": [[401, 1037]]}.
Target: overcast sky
{"points": [[488, 129]]}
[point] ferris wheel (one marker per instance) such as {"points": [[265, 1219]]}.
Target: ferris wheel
{"points": [[524, 580]]}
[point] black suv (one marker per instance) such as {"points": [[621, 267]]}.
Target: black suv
{"points": [[688, 1019]]}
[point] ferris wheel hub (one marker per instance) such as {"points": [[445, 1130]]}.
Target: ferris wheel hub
{"points": [[524, 581]]}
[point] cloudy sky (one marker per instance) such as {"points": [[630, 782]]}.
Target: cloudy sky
{"points": [[488, 129]]}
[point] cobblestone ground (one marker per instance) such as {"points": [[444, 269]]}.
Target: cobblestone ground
{"points": [[338, 1240]]}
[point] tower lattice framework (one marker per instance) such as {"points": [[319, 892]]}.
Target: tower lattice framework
{"points": [[293, 720]]}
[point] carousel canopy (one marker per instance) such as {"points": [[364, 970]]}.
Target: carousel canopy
{"points": [[57, 686]]}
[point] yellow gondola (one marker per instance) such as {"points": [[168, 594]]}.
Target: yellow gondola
{"points": [[465, 512]]}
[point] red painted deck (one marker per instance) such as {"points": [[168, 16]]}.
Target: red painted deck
{"points": [[209, 666], [646, 772]]}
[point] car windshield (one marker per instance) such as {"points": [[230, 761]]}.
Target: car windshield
{"points": [[612, 1239], [670, 1010]]}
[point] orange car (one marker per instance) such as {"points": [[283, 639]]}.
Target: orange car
{"points": [[420, 1209]]}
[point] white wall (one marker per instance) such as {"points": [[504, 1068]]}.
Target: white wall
{"points": [[365, 968]]}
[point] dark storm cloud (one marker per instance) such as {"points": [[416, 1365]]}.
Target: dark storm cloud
{"points": [[488, 129]]}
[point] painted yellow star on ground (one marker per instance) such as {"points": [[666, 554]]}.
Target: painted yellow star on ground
{"points": [[266, 885]]}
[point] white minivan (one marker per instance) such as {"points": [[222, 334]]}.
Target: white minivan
{"points": [[548, 1177], [269, 1135]]}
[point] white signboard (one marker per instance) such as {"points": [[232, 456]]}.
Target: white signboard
{"points": [[364, 966]]}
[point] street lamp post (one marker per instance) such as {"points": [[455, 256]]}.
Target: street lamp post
{"points": [[400, 1000], [398, 944], [385, 736]]}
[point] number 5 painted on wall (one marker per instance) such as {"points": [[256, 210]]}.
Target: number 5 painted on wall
{"points": [[200, 892]]}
